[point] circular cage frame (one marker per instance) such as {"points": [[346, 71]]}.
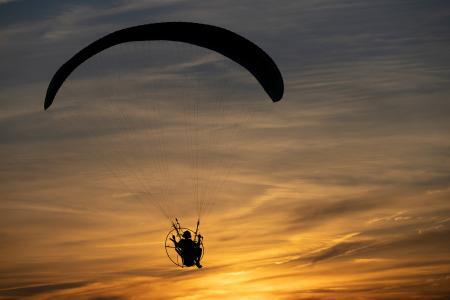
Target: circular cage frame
{"points": [[168, 241]]}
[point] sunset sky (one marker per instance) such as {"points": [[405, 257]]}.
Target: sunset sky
{"points": [[339, 191]]}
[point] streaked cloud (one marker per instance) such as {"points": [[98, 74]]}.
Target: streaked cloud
{"points": [[339, 191]]}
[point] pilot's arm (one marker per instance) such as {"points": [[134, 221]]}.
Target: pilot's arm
{"points": [[174, 241]]}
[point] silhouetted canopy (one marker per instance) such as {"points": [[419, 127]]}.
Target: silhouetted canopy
{"points": [[223, 41]]}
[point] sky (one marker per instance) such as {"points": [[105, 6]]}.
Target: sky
{"points": [[339, 191]]}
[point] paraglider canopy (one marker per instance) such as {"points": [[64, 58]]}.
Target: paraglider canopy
{"points": [[218, 39]]}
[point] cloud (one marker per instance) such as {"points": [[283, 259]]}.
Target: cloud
{"points": [[341, 249], [41, 289], [339, 191], [363, 245], [6, 1], [112, 297], [310, 215]]}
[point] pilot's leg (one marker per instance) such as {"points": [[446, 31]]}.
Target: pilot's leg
{"points": [[198, 256]]}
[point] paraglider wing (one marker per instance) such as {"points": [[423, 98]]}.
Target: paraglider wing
{"points": [[223, 41]]}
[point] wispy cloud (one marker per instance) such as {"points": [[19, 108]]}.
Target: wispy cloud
{"points": [[338, 191]]}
